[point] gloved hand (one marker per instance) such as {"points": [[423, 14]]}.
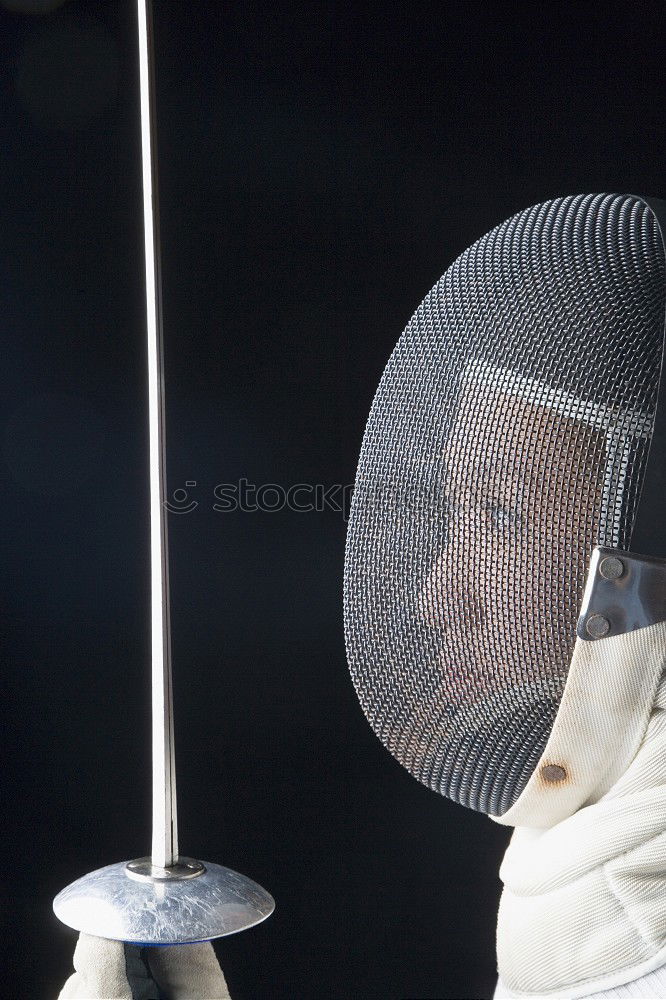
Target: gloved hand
{"points": [[114, 969]]}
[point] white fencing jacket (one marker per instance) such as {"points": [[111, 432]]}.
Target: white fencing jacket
{"points": [[583, 910]]}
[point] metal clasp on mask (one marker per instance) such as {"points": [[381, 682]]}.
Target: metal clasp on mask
{"points": [[624, 592]]}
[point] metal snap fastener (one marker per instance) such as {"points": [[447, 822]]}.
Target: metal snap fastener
{"points": [[597, 626], [553, 773], [611, 568]]}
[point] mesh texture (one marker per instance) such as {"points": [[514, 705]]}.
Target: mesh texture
{"points": [[508, 436]]}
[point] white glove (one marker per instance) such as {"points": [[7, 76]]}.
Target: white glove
{"points": [[114, 970]]}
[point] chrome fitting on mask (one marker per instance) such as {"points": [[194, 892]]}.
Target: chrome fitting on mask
{"points": [[624, 592]]}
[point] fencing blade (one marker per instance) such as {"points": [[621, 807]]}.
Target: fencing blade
{"points": [[164, 898]]}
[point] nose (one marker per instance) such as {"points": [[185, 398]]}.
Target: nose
{"points": [[450, 597]]}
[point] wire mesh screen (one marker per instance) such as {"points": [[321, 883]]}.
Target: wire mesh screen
{"points": [[508, 437]]}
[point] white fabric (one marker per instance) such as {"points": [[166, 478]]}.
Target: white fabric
{"points": [[188, 972], [584, 903], [99, 971], [601, 721], [183, 972], [650, 987]]}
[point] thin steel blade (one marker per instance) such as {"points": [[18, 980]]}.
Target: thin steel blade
{"points": [[165, 831], [162, 899]]}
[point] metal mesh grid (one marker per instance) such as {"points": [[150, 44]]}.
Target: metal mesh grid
{"points": [[508, 436]]}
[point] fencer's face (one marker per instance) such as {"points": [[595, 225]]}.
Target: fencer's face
{"points": [[520, 488]]}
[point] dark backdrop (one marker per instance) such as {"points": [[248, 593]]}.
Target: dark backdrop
{"points": [[321, 165]]}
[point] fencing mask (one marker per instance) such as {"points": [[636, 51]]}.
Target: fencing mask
{"points": [[514, 430]]}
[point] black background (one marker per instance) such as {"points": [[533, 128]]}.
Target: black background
{"points": [[321, 165]]}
